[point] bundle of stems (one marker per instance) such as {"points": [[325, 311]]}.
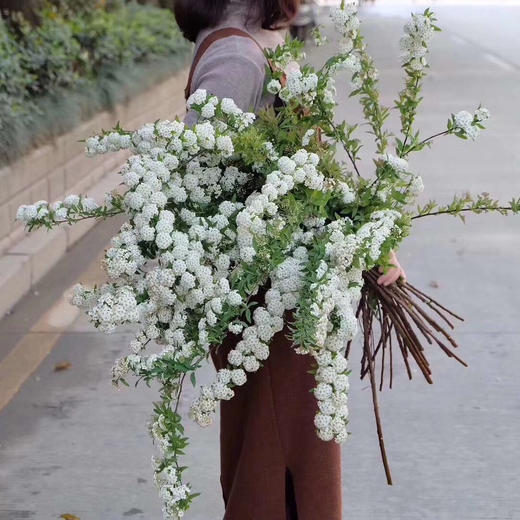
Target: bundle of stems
{"points": [[399, 315]]}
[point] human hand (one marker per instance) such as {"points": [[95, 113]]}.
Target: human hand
{"points": [[393, 274]]}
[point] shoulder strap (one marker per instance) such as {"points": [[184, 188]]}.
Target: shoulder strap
{"points": [[206, 44]]}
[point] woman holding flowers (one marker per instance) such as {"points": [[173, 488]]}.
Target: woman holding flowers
{"points": [[273, 466], [248, 240]]}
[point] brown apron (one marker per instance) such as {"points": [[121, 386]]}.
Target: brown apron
{"points": [[273, 466]]}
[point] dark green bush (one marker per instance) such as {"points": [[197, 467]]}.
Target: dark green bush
{"points": [[152, 28], [50, 52], [69, 44], [129, 34], [74, 62], [14, 79], [75, 7]]}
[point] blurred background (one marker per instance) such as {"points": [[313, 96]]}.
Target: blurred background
{"points": [[70, 444]]}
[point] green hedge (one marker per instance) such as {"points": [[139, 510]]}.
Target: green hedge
{"points": [[60, 72]]}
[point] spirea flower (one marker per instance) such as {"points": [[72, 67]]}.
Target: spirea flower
{"points": [[243, 227], [274, 86]]}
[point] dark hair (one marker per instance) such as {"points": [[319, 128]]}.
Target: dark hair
{"points": [[195, 15]]}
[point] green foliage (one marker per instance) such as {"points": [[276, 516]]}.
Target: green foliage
{"points": [[250, 146], [129, 34], [368, 92], [55, 74], [462, 204], [76, 7], [51, 54], [292, 50], [409, 100], [14, 79], [304, 325], [43, 117]]}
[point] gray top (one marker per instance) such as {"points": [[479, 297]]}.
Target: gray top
{"points": [[234, 67]]}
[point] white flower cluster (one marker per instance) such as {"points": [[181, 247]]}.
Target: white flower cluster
{"points": [[246, 357], [396, 163], [253, 347], [108, 307], [374, 233], [178, 170], [415, 187], [414, 184], [336, 291], [309, 134], [414, 44], [57, 212], [345, 20], [111, 142], [300, 86], [171, 489], [210, 106], [261, 208], [470, 124], [352, 65], [274, 86], [346, 23], [332, 395], [334, 308]]}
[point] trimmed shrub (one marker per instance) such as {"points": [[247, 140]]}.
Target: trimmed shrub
{"points": [[50, 52], [71, 64], [129, 34], [14, 79]]}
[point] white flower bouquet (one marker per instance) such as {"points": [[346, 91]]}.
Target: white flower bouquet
{"points": [[240, 204]]}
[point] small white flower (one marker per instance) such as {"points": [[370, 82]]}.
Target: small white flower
{"points": [[71, 200], [208, 111], [197, 98], [235, 328], [228, 106], [463, 119], [306, 139], [398, 164], [481, 114], [225, 145], [235, 357], [274, 86], [89, 204], [238, 376]]}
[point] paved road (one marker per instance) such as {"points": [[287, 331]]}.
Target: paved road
{"points": [[70, 444]]}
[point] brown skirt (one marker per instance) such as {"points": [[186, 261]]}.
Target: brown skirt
{"points": [[273, 466]]}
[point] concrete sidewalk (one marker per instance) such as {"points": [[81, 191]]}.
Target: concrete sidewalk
{"points": [[71, 444]]}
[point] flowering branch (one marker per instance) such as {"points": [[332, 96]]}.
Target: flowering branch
{"points": [[73, 209], [483, 203], [343, 134], [242, 226], [414, 45]]}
